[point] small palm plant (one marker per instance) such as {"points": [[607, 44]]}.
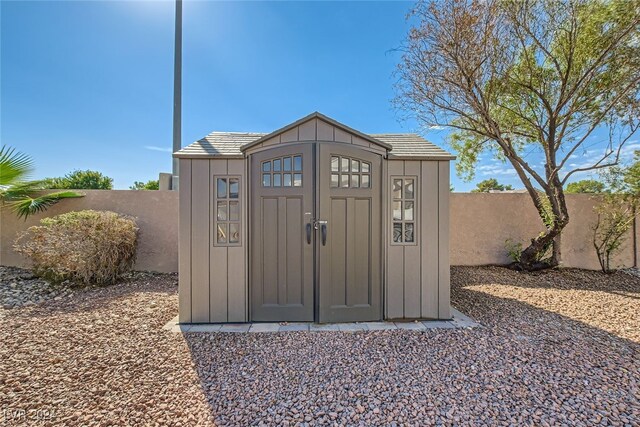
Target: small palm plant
{"points": [[20, 194]]}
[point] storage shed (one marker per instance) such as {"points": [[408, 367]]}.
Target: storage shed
{"points": [[315, 221]]}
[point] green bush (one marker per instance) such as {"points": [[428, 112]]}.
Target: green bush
{"points": [[152, 184], [81, 180], [91, 247]]}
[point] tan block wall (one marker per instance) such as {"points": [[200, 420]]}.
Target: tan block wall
{"points": [[155, 211], [480, 224]]}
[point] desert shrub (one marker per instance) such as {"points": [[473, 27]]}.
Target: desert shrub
{"points": [[514, 249], [616, 214], [92, 247]]}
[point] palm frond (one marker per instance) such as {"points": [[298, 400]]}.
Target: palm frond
{"points": [[14, 166], [28, 205]]}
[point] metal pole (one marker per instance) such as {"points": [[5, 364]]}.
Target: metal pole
{"points": [[177, 92]]}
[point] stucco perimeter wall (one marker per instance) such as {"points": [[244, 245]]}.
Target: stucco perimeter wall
{"points": [[156, 213], [480, 224]]}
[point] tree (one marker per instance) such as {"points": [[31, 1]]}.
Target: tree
{"points": [[22, 195], [617, 212], [85, 180], [585, 186], [490, 184], [514, 77], [152, 184]]}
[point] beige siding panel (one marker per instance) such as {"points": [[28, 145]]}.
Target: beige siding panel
{"points": [[444, 311], [325, 131], [237, 285], [412, 264], [184, 245], [359, 141], [218, 294], [429, 239], [307, 131], [289, 136], [395, 255], [218, 272], [200, 215], [342, 136], [236, 255], [270, 141]]}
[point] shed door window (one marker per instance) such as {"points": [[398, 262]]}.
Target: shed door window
{"points": [[403, 193], [282, 172], [350, 173], [227, 210]]}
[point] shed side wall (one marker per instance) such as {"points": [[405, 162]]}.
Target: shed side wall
{"points": [[417, 285]]}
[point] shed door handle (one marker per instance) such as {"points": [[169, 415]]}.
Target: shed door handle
{"points": [[323, 230], [309, 233]]}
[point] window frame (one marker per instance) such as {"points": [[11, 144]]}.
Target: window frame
{"points": [[403, 199], [281, 172], [228, 221], [350, 173]]}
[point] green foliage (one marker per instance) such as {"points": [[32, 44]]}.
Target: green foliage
{"points": [[514, 249], [490, 184], [520, 80], [85, 246], [152, 184], [617, 211], [79, 179], [586, 186], [616, 214], [24, 197]]}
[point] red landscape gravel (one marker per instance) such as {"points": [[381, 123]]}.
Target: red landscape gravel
{"points": [[557, 348]]}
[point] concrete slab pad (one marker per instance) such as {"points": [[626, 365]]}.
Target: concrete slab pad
{"points": [[438, 324], [170, 324], [379, 326], [413, 326], [205, 328], [294, 327], [322, 327], [180, 328], [352, 327], [235, 327], [265, 327]]}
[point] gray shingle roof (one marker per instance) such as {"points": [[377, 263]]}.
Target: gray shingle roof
{"points": [[227, 144]]}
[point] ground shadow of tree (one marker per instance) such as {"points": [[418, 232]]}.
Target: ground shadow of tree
{"points": [[523, 366]]}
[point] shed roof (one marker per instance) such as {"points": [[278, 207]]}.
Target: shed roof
{"points": [[232, 144]]}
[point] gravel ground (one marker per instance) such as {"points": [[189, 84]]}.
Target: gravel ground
{"points": [[558, 348]]}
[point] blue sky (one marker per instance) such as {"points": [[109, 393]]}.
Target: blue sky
{"points": [[88, 85]]}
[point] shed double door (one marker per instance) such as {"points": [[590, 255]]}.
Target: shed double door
{"points": [[316, 234]]}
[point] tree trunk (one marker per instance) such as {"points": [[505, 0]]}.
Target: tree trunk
{"points": [[532, 257]]}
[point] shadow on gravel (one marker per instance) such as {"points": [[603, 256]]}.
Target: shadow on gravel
{"points": [[90, 299], [564, 279], [522, 318], [524, 358]]}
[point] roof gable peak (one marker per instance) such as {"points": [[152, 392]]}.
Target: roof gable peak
{"points": [[316, 116]]}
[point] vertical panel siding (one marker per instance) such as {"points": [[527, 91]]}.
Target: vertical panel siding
{"points": [[418, 275], [412, 264], [184, 237], [443, 241], [218, 273], [237, 283], [200, 215], [429, 239], [395, 254]]}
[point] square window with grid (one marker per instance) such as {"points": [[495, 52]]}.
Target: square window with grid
{"points": [[227, 210], [403, 193]]}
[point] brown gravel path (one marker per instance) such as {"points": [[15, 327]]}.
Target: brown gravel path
{"points": [[558, 348]]}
